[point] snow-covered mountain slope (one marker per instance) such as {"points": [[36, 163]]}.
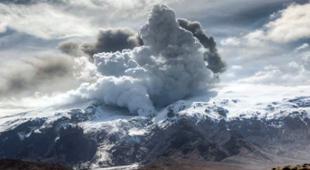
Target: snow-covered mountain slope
{"points": [[266, 126]]}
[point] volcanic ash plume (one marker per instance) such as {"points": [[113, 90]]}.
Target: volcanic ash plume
{"points": [[168, 67], [214, 60]]}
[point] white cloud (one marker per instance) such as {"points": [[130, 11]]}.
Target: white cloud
{"points": [[295, 72], [266, 51], [63, 18], [230, 41], [293, 24], [3, 27], [74, 17], [288, 25], [302, 47], [44, 21]]}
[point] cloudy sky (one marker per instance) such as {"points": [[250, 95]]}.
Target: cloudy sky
{"points": [[261, 42]]}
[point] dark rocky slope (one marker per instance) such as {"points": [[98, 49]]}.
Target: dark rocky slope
{"points": [[7, 164]]}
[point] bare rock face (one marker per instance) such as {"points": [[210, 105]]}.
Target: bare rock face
{"points": [[60, 141]]}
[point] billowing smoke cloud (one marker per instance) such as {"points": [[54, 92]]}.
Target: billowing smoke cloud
{"points": [[109, 40], [214, 60], [36, 74], [168, 67], [112, 40]]}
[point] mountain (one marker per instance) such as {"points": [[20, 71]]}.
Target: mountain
{"points": [[209, 133]]}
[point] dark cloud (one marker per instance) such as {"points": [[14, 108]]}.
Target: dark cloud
{"points": [[29, 2], [258, 13], [222, 20], [17, 1], [214, 60], [70, 48], [113, 40], [110, 40], [36, 74]]}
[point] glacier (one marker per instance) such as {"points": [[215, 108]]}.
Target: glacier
{"points": [[225, 128]]}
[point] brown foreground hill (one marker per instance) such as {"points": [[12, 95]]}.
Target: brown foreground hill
{"points": [[190, 163], [193, 164], [185, 165], [7, 164], [297, 167]]}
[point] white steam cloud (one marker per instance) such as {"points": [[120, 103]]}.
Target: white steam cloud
{"points": [[168, 67]]}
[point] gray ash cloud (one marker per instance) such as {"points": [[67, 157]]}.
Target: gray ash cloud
{"points": [[112, 40], [168, 67], [215, 63], [108, 40], [36, 74]]}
